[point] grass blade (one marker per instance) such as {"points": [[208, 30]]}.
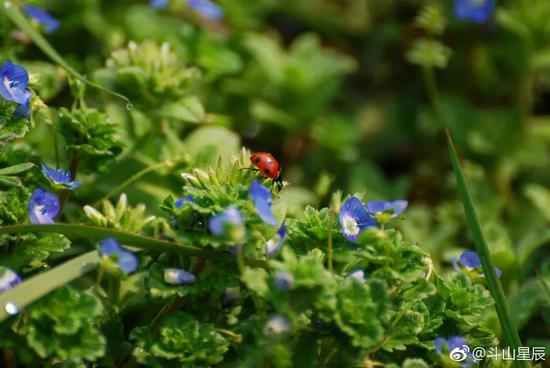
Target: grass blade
{"points": [[38, 286], [493, 283], [21, 21]]}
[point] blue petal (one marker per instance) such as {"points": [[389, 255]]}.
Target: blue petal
{"points": [[275, 243], [42, 16], [180, 201], [377, 206], [109, 246], [456, 342], [477, 11], [14, 80], [127, 261], [283, 281], [218, 223], [43, 207], [177, 276], [262, 199], [353, 210], [8, 279], [158, 4], [358, 275], [60, 177], [454, 260], [399, 206], [206, 8], [470, 259], [498, 271], [24, 109]]}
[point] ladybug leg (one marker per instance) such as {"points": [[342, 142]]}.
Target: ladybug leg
{"points": [[249, 168]]}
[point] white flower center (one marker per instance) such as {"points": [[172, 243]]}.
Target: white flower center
{"points": [[40, 210], [351, 226]]}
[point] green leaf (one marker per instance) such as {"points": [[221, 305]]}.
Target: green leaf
{"points": [[91, 134], [16, 169], [33, 251], [181, 339], [13, 206], [61, 325], [510, 333], [358, 314], [207, 144], [415, 363]]}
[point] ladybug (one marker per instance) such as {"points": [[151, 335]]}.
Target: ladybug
{"points": [[269, 167]]}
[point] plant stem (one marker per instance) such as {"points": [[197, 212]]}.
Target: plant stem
{"points": [[431, 87], [139, 241], [493, 283], [330, 245], [132, 179]]}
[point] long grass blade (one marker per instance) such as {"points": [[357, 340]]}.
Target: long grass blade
{"points": [[126, 238], [493, 283], [38, 286], [21, 21]]}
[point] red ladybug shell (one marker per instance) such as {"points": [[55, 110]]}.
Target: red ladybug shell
{"points": [[268, 166]]}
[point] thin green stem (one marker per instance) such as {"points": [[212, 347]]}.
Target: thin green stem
{"points": [[55, 140], [21, 21], [330, 246], [37, 286], [430, 84], [138, 241], [493, 283], [133, 179]]}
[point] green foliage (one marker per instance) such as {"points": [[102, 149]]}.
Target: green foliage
{"points": [[351, 98], [178, 341], [62, 326], [91, 136]]}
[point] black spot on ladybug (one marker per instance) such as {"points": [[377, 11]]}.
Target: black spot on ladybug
{"points": [[257, 160], [266, 171]]}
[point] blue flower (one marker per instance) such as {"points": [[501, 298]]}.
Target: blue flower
{"points": [[60, 177], [228, 223], [126, 260], [396, 207], [358, 275], [176, 276], [14, 82], [206, 8], [275, 243], [181, 201], [158, 4], [354, 218], [41, 16], [24, 110], [277, 325], [470, 261], [283, 281], [8, 279], [477, 11], [457, 348], [262, 199], [43, 207]]}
